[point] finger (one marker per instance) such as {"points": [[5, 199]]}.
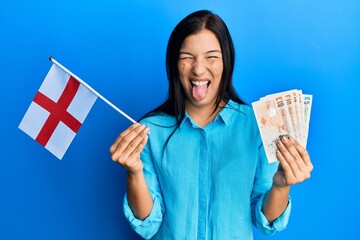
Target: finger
{"points": [[285, 167], [122, 135], [127, 137], [139, 148], [137, 144], [303, 160], [293, 148], [290, 156], [125, 147], [124, 142], [133, 162], [303, 153]]}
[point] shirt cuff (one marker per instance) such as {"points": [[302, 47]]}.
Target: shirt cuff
{"points": [[278, 225], [148, 227]]}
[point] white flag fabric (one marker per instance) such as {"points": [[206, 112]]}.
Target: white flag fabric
{"points": [[57, 111]]}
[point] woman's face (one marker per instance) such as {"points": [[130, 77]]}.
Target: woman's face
{"points": [[200, 68]]}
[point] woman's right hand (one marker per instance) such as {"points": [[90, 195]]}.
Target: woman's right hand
{"points": [[127, 147]]}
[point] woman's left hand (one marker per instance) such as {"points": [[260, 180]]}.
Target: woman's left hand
{"points": [[295, 165]]}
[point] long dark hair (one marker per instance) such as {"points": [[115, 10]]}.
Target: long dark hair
{"points": [[174, 105]]}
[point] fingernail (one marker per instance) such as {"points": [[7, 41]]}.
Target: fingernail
{"points": [[284, 139]]}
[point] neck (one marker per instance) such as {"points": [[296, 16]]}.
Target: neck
{"points": [[203, 115]]}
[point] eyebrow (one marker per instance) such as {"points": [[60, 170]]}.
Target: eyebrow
{"points": [[210, 51]]}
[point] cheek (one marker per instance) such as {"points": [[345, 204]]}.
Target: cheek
{"points": [[217, 69], [182, 68], [182, 75]]}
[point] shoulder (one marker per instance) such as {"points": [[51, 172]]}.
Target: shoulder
{"points": [[161, 126], [241, 109], [243, 118], [159, 119]]}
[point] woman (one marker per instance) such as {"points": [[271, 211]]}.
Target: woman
{"points": [[202, 172]]}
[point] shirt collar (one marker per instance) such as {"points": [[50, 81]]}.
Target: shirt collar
{"points": [[224, 115], [227, 111]]}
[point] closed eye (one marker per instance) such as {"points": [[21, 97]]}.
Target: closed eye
{"points": [[185, 57]]}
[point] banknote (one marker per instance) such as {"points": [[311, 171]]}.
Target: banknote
{"points": [[290, 101], [284, 113], [307, 99], [273, 123]]}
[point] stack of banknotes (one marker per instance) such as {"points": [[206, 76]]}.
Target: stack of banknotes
{"points": [[285, 113]]}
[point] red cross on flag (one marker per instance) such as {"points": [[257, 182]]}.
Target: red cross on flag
{"points": [[57, 111]]}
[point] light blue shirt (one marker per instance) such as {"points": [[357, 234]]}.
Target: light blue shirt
{"points": [[208, 183]]}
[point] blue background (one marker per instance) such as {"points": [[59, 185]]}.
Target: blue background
{"points": [[118, 48]]}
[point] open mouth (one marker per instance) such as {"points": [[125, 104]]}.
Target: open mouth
{"points": [[200, 83], [199, 88]]}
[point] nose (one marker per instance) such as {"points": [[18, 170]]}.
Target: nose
{"points": [[199, 67]]}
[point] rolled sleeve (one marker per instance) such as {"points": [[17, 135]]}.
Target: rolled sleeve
{"points": [[150, 225], [279, 224]]}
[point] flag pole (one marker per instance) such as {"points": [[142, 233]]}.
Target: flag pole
{"points": [[92, 90]]}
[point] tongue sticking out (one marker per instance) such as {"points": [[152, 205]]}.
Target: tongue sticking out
{"points": [[199, 92]]}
